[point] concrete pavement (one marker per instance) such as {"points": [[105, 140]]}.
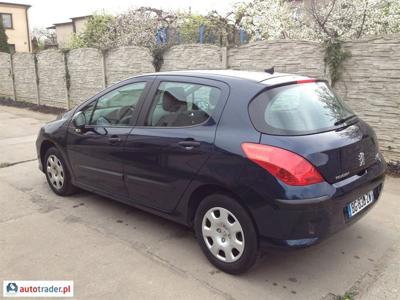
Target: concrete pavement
{"points": [[18, 131], [113, 251]]}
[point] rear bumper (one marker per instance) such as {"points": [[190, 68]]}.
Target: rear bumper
{"points": [[304, 222]]}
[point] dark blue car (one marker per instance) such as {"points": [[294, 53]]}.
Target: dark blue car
{"points": [[245, 158]]}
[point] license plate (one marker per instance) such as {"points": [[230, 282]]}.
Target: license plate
{"points": [[359, 204]]}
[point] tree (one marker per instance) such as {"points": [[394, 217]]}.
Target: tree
{"points": [[43, 38], [138, 27], [338, 20], [188, 27], [35, 44], [3, 40], [329, 21], [43, 35], [261, 19], [97, 28], [272, 19], [353, 19], [218, 29], [323, 20]]}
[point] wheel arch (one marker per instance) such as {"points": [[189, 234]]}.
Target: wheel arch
{"points": [[201, 192], [46, 145]]}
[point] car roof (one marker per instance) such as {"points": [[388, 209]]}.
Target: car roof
{"points": [[226, 75]]}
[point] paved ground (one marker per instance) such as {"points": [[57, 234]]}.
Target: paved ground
{"points": [[112, 251], [18, 131]]}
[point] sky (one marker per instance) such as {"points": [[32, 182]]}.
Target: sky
{"points": [[44, 13]]}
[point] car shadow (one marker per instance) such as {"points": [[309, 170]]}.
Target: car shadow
{"points": [[340, 251], [333, 265]]}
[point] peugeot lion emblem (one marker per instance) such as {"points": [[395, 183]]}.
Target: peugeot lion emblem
{"points": [[361, 158]]}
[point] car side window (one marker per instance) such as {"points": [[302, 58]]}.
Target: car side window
{"points": [[178, 104], [116, 107]]}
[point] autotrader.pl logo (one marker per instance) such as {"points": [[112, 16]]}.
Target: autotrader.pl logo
{"points": [[24, 288], [12, 287]]}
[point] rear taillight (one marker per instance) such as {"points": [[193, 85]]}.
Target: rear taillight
{"points": [[287, 166], [306, 81]]}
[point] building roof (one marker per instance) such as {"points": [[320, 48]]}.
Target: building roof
{"points": [[26, 6], [69, 22], [62, 23], [81, 17]]}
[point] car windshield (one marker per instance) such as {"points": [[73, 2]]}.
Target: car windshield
{"points": [[298, 109]]}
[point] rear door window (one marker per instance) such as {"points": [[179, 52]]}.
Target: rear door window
{"points": [[179, 104], [298, 109]]}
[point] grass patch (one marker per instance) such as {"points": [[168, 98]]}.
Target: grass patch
{"points": [[31, 106], [4, 165], [347, 296]]}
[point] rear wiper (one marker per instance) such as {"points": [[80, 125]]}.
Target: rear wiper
{"points": [[341, 121]]}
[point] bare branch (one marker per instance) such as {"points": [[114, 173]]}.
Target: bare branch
{"points": [[321, 23], [360, 31]]}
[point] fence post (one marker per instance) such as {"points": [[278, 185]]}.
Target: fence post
{"points": [[104, 69], [67, 79], [158, 38], [13, 77], [201, 31], [164, 36], [35, 62], [242, 35], [224, 57], [258, 35]]}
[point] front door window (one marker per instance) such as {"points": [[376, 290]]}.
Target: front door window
{"points": [[116, 107]]}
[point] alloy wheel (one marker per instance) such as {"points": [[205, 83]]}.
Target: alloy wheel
{"points": [[55, 172], [223, 234]]}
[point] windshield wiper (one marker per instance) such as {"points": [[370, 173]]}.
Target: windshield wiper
{"points": [[341, 121]]}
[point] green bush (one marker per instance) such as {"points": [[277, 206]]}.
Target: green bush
{"points": [[96, 28], [3, 40]]}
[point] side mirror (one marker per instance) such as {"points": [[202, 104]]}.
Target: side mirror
{"points": [[79, 120]]}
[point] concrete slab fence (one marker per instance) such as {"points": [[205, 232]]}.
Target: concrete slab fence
{"points": [[370, 82]]}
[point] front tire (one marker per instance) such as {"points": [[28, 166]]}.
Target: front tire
{"points": [[226, 234], [57, 174]]}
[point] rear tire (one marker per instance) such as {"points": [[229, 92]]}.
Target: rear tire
{"points": [[226, 234], [57, 173]]}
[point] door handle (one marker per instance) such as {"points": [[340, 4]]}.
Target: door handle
{"points": [[114, 139], [189, 145]]}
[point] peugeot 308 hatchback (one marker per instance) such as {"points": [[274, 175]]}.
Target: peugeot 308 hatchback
{"points": [[245, 158]]}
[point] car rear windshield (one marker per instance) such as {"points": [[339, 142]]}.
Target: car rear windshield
{"points": [[298, 109]]}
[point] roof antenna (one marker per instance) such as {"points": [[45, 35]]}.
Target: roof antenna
{"points": [[270, 70]]}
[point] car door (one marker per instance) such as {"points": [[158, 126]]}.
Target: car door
{"points": [[173, 138], [96, 152]]}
